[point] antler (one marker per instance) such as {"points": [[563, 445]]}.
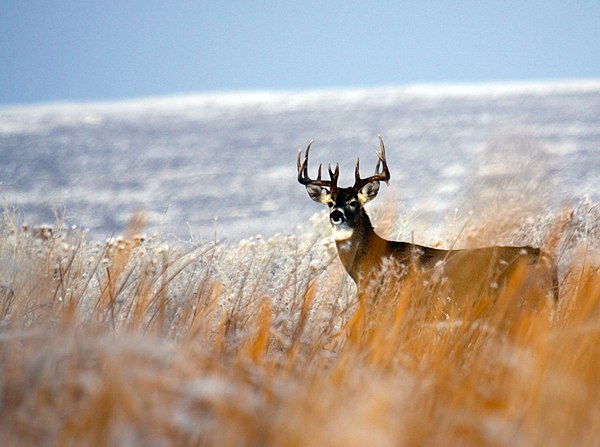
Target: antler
{"points": [[380, 176], [304, 179]]}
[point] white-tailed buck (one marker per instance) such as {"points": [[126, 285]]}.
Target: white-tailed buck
{"points": [[366, 256]]}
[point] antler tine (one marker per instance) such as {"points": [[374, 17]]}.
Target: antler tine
{"points": [[380, 156], [333, 175], [382, 146], [385, 172], [304, 178], [382, 173], [304, 165]]}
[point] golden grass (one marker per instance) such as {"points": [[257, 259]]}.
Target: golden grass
{"points": [[134, 342]]}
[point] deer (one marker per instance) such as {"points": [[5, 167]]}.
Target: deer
{"points": [[366, 256]]}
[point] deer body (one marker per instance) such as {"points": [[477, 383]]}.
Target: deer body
{"points": [[365, 255]]}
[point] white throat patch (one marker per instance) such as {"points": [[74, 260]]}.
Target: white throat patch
{"points": [[341, 232]]}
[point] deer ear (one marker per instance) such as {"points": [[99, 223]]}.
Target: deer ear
{"points": [[318, 193], [368, 192]]}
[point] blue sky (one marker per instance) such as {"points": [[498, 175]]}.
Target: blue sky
{"points": [[87, 50]]}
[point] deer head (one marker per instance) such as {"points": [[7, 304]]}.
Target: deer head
{"points": [[346, 212]]}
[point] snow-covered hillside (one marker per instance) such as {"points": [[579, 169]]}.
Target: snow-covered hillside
{"points": [[226, 162]]}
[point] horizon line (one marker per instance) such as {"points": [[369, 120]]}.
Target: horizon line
{"points": [[459, 88]]}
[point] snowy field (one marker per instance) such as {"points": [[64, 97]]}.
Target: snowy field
{"points": [[264, 341], [225, 163]]}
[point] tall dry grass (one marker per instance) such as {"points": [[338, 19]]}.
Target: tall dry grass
{"points": [[137, 342]]}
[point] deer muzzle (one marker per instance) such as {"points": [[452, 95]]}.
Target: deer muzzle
{"points": [[337, 217]]}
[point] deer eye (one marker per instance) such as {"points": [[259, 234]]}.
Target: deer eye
{"points": [[352, 202], [330, 204]]}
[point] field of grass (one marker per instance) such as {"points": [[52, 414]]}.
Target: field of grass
{"points": [[149, 342]]}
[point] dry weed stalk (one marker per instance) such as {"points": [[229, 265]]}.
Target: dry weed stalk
{"points": [[137, 343]]}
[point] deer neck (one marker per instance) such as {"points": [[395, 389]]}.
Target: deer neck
{"points": [[357, 244]]}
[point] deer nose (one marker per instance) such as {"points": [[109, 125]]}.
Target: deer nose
{"points": [[337, 217]]}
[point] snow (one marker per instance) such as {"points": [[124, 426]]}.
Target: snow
{"points": [[189, 161]]}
